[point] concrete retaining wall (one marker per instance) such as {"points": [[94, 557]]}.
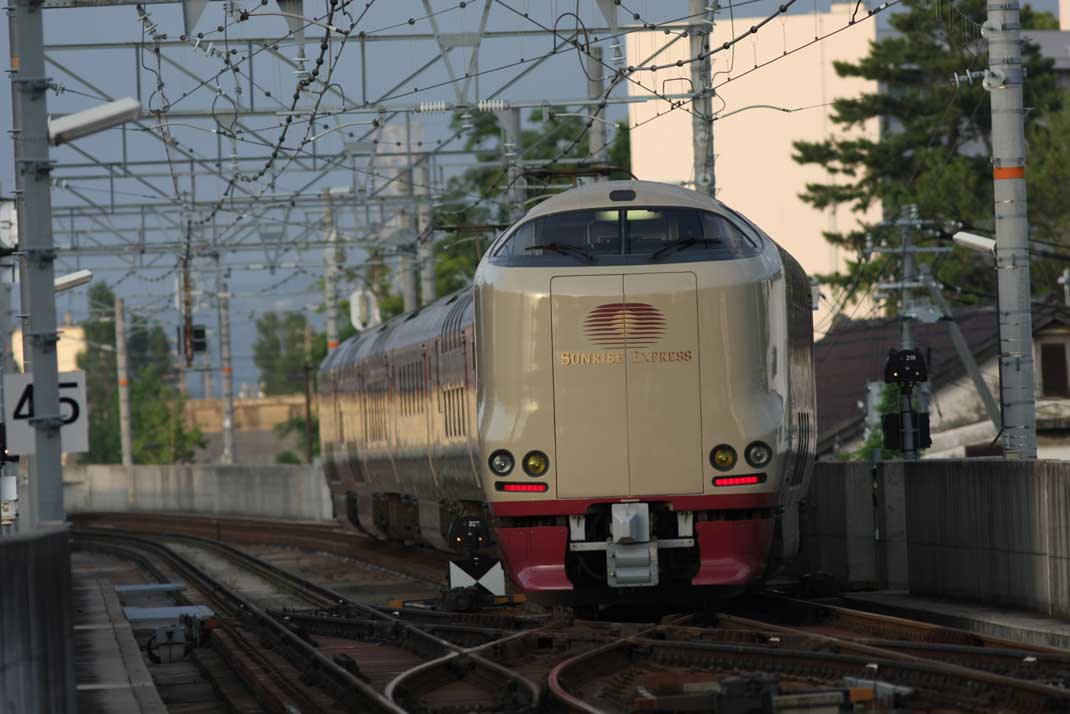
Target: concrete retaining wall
{"points": [[298, 492], [36, 647], [991, 531], [988, 531]]}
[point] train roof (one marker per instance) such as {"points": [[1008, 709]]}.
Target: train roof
{"points": [[419, 326], [647, 193]]}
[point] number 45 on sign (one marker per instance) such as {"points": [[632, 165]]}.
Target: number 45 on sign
{"points": [[18, 412]]}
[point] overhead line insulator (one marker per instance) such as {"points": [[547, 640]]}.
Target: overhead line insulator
{"points": [[492, 105], [435, 106]]}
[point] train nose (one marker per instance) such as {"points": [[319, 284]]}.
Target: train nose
{"points": [[625, 372]]}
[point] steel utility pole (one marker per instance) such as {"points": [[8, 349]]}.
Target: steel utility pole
{"points": [[308, 393], [10, 480], [906, 336], [512, 150], [224, 361], [906, 278], [425, 251], [34, 199], [595, 87], [1004, 82], [330, 275], [124, 383], [699, 30], [408, 242]]}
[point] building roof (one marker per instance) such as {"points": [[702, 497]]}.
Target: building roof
{"points": [[853, 354], [1054, 44]]}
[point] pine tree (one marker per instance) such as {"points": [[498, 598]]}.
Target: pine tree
{"points": [[935, 138]]}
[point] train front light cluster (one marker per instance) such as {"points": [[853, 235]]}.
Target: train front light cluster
{"points": [[723, 457], [536, 463], [501, 462], [758, 454]]}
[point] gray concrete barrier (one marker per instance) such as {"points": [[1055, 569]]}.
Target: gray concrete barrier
{"points": [[36, 650], [990, 531], [282, 491], [987, 531]]}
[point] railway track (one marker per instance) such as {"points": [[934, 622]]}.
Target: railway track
{"points": [[777, 652], [421, 564], [350, 651]]}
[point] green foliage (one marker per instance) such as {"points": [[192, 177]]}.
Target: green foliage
{"points": [[158, 430], [562, 137], [296, 425], [279, 352], [102, 392], [288, 457], [888, 404], [935, 141]]}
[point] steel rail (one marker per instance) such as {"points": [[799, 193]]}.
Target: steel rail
{"points": [[524, 694], [319, 668], [907, 669], [463, 661], [890, 627], [324, 537]]}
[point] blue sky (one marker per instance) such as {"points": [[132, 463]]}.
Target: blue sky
{"points": [[114, 72]]}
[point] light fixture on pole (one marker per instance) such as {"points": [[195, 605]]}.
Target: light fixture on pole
{"points": [[974, 242], [90, 121], [72, 280]]}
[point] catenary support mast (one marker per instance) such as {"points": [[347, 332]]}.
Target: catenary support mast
{"points": [[228, 455], [1012, 229], [32, 185], [595, 87], [701, 26], [330, 275], [123, 375]]}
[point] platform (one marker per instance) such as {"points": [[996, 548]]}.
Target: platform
{"points": [[111, 673], [1016, 625]]}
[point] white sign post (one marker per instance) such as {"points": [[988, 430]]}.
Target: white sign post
{"points": [[18, 411]]}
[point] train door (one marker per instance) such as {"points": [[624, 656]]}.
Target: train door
{"points": [[590, 389], [664, 403]]}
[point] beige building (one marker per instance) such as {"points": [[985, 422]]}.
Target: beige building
{"points": [[255, 419], [71, 344], [755, 172]]}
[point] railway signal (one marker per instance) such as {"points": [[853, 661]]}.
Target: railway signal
{"points": [[906, 430]]}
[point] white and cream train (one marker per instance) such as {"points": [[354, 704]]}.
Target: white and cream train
{"points": [[626, 392]]}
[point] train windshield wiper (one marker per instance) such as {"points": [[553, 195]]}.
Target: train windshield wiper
{"points": [[680, 244], [563, 249]]}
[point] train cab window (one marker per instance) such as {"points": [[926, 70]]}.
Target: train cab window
{"points": [[578, 233], [672, 230], [629, 236]]}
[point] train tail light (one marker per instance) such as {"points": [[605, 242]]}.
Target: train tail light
{"points": [[738, 480], [521, 487]]}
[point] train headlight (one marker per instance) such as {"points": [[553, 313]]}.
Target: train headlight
{"points": [[723, 457], [758, 454], [501, 462], [536, 463]]}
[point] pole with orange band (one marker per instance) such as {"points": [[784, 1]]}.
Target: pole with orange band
{"points": [[1004, 82]]}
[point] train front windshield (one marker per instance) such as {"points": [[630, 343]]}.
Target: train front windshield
{"points": [[627, 235]]}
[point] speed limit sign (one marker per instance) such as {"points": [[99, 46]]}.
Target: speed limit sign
{"points": [[19, 412]]}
